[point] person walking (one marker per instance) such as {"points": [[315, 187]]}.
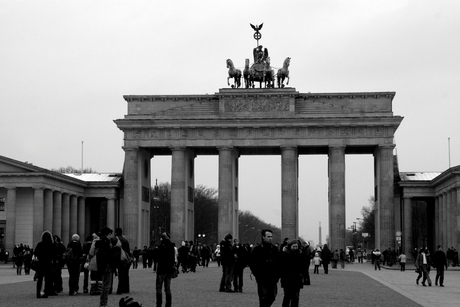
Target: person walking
{"points": [[421, 263], [75, 253], [228, 263], [136, 253], [316, 263], [123, 268], [217, 255], [105, 264], [326, 258], [376, 256], [342, 258], [166, 265], [86, 248], [428, 265], [45, 253], [402, 261], [439, 262], [292, 265], [58, 265], [265, 266], [241, 262], [307, 255]]}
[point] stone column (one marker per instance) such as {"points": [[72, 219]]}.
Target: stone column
{"points": [[337, 197], [74, 218], [456, 200], [385, 196], [57, 214], [225, 210], [440, 222], [289, 193], [111, 213], [48, 211], [436, 219], [38, 215], [407, 231], [178, 195], [444, 221], [65, 218], [132, 198], [81, 229], [449, 218], [10, 211]]}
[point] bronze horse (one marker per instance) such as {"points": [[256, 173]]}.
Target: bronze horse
{"points": [[233, 73], [283, 73], [247, 74]]}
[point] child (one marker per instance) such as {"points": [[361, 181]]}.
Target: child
{"points": [[317, 263]]}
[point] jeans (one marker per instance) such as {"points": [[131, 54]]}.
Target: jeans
{"points": [[440, 275], [238, 277], [267, 293], [48, 276], [227, 277], [166, 279], [106, 279]]}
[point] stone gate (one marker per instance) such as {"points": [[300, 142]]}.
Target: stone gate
{"points": [[235, 122]]}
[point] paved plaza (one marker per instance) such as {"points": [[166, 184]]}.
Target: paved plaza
{"points": [[356, 285]]}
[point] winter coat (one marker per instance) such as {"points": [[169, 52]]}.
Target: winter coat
{"points": [[292, 266], [265, 263]]}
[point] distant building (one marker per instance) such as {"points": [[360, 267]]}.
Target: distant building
{"points": [[437, 193], [34, 199]]}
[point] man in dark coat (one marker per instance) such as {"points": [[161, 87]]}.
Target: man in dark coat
{"points": [[228, 263], [326, 258], [241, 262], [73, 264], [439, 262], [307, 256], [166, 265], [265, 266], [105, 265]]}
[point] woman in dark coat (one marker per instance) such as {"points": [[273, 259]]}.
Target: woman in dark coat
{"points": [[45, 252], [326, 258], [292, 266]]}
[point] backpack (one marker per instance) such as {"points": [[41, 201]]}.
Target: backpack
{"points": [[128, 301], [69, 257]]}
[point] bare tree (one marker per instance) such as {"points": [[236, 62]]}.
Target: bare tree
{"points": [[72, 170]]}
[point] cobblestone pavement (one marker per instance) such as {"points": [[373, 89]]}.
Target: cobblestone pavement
{"points": [[356, 285]]}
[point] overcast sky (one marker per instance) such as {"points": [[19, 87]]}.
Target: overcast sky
{"points": [[65, 66]]}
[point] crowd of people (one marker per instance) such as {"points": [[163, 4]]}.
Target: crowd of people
{"points": [[105, 255]]}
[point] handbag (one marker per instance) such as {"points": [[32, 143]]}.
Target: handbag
{"points": [[92, 265], [34, 263], [175, 272], [123, 257]]}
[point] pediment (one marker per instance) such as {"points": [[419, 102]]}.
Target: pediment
{"points": [[8, 165]]}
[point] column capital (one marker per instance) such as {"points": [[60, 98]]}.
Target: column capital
{"points": [[125, 148], [178, 148], [225, 148], [386, 146], [38, 187], [287, 147], [337, 146], [10, 187]]}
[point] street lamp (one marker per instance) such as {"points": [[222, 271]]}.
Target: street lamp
{"points": [[201, 235]]}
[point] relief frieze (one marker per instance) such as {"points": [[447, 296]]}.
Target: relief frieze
{"points": [[260, 104], [258, 133]]}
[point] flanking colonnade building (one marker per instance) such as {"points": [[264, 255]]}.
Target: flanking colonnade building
{"points": [[231, 123]]}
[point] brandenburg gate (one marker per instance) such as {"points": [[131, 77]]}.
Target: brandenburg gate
{"points": [[268, 121]]}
